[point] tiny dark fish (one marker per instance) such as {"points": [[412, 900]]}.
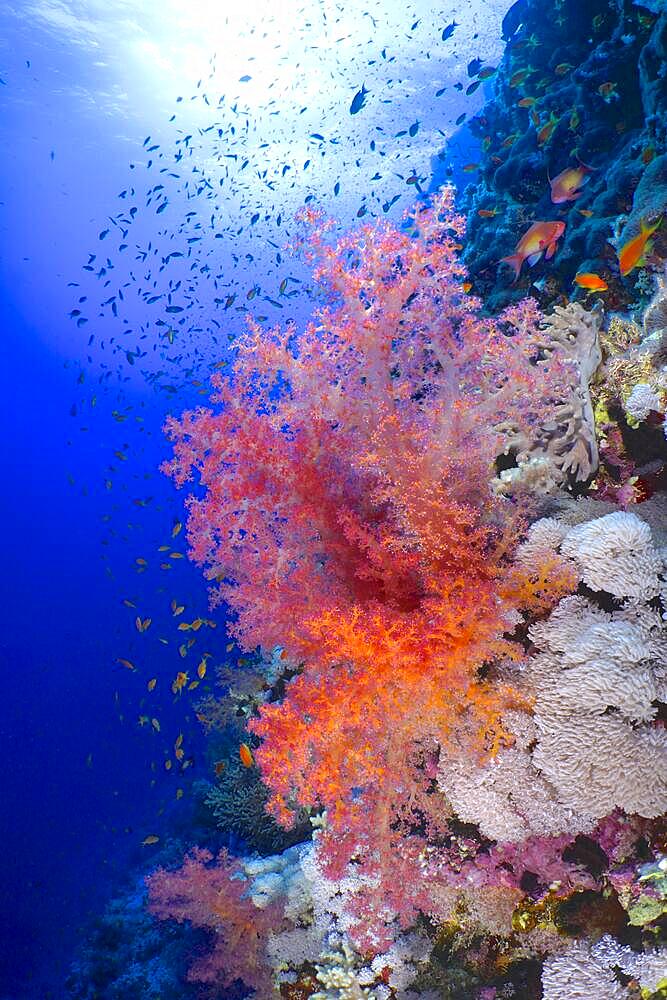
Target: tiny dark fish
{"points": [[449, 30]]}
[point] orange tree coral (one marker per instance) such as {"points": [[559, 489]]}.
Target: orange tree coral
{"points": [[346, 515]]}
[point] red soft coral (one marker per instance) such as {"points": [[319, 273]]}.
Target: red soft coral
{"points": [[346, 515], [347, 469]]}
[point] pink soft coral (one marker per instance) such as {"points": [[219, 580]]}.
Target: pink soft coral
{"points": [[213, 896]]}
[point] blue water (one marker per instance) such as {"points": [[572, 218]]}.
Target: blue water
{"points": [[84, 84]]}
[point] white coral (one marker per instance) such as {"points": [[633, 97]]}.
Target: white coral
{"points": [[587, 972], [342, 977], [595, 682], [577, 975], [507, 797], [542, 540], [616, 554], [317, 925], [642, 400], [275, 876], [649, 968], [537, 475]]}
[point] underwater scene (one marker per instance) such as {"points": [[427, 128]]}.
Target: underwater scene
{"points": [[334, 389]]}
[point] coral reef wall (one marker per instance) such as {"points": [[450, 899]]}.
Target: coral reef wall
{"points": [[583, 89]]}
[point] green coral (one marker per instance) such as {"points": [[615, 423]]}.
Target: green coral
{"points": [[646, 909]]}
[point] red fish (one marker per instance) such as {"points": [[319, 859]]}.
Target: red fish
{"points": [[590, 281], [565, 186], [541, 238]]}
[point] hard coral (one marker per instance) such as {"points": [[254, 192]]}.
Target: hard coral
{"points": [[565, 440]]}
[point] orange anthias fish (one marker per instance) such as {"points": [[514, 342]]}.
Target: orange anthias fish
{"points": [[179, 682], [545, 133], [565, 186], [541, 238], [632, 253], [245, 755], [590, 281]]}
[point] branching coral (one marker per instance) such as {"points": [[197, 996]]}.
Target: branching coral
{"points": [[567, 440], [347, 519], [314, 930], [311, 462], [238, 804]]}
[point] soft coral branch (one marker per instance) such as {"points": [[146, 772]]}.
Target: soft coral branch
{"points": [[346, 514], [212, 894]]}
